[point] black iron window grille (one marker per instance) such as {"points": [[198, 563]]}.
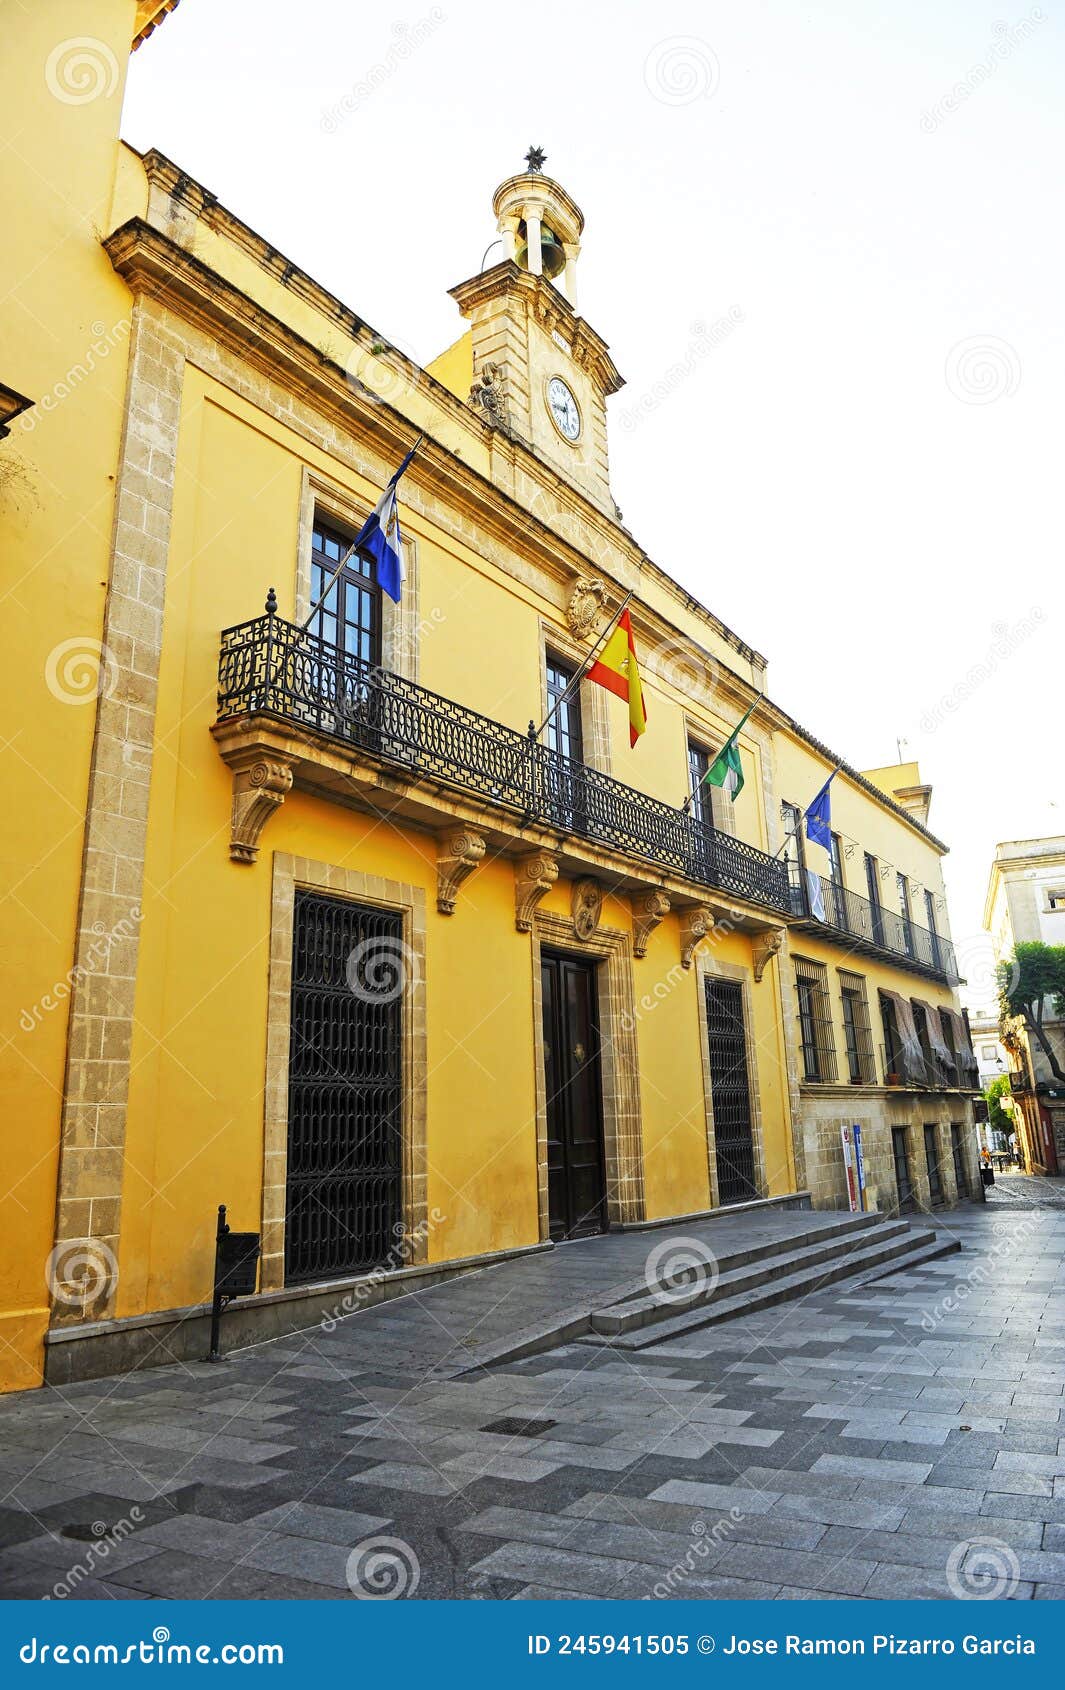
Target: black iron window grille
{"points": [[268, 666], [815, 1021], [858, 1035], [730, 1092]]}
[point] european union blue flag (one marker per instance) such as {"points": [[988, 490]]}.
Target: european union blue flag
{"points": [[819, 817]]}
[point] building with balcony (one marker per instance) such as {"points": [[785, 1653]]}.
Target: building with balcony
{"points": [[314, 922], [1026, 902]]}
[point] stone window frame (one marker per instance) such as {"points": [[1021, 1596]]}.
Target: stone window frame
{"points": [[722, 804], [399, 622], [618, 1058], [594, 699], [707, 967], [292, 873]]}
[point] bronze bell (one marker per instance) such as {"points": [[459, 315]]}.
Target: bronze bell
{"points": [[552, 253]]}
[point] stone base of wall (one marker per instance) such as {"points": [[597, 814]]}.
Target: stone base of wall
{"points": [[822, 1113], [98, 1350]]}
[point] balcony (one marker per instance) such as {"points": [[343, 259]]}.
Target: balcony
{"points": [[339, 714], [913, 1070], [874, 930]]}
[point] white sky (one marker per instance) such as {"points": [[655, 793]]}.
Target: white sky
{"points": [[833, 479]]}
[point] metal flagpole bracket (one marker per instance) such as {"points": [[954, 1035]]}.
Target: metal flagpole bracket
{"points": [[236, 1270]]}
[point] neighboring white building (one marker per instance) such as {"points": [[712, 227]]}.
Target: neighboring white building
{"points": [[1026, 902]]}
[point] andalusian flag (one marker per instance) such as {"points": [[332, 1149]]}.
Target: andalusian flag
{"points": [[726, 770], [616, 669]]}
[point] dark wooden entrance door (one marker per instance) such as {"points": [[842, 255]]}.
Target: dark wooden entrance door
{"points": [[730, 1092], [344, 1089], [576, 1183]]}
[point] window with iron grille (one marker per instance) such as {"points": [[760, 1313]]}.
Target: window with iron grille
{"points": [[815, 1021], [857, 1033], [958, 1152], [931, 1152]]}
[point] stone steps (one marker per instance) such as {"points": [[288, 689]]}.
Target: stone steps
{"points": [[884, 1248], [752, 1274]]}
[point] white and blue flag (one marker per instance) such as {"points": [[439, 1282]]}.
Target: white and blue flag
{"points": [[380, 540]]}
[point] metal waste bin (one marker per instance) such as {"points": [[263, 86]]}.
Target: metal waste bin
{"points": [[987, 1175]]}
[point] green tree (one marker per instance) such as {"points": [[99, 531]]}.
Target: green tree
{"points": [[1035, 976], [998, 1117]]}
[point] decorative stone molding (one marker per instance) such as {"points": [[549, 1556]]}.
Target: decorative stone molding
{"points": [[258, 791], [694, 927], [457, 855], [648, 909], [489, 395], [585, 606], [534, 876], [764, 946], [586, 905]]}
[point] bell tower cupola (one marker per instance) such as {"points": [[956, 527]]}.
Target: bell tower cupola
{"points": [[541, 373]]}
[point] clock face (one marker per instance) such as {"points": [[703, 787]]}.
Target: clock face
{"points": [[563, 407]]}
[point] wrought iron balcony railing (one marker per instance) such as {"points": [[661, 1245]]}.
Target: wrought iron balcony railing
{"points": [[270, 666], [871, 927], [925, 1071]]}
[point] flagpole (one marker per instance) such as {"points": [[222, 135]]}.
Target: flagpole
{"points": [[316, 607], [534, 732], [690, 799], [806, 812]]}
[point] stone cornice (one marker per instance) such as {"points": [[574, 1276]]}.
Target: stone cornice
{"points": [[539, 299]]}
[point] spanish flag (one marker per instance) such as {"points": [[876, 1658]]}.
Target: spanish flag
{"points": [[616, 669]]}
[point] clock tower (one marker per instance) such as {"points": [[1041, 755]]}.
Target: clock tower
{"points": [[541, 372]]}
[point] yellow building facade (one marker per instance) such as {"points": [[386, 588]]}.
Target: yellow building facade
{"points": [[302, 918]]}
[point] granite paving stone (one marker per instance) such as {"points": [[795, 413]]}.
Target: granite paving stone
{"points": [[828, 1447]]}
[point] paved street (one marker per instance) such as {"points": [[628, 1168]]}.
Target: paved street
{"points": [[900, 1438]]}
